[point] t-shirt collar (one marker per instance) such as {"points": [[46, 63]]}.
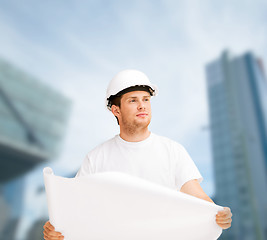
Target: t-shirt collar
{"points": [[134, 144]]}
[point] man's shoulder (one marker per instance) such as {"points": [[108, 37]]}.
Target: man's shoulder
{"points": [[166, 140]]}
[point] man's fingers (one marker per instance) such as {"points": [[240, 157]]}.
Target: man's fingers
{"points": [[49, 226], [53, 238], [49, 237], [226, 212], [224, 223], [51, 234], [225, 226], [223, 220]]}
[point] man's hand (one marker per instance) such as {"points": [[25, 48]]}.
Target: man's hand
{"points": [[50, 233], [192, 187], [224, 218]]}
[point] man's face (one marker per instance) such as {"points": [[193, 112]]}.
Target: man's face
{"points": [[135, 110]]}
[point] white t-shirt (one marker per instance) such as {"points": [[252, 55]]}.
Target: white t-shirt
{"points": [[157, 159]]}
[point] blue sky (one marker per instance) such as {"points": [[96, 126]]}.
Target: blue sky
{"points": [[78, 46]]}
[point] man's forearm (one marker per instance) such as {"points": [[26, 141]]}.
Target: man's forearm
{"points": [[193, 188]]}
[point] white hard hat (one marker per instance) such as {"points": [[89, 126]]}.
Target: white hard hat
{"points": [[126, 79]]}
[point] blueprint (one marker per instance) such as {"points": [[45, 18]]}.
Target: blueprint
{"points": [[117, 206]]}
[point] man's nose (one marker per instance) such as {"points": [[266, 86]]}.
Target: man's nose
{"points": [[141, 105]]}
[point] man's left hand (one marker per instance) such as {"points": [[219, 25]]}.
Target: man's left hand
{"points": [[224, 218]]}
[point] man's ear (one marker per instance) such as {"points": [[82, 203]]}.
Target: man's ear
{"points": [[115, 110]]}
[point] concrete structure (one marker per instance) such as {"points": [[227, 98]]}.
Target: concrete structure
{"points": [[33, 121], [237, 93]]}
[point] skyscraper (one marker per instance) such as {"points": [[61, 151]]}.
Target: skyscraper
{"points": [[33, 121], [237, 94]]}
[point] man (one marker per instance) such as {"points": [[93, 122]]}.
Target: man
{"points": [[139, 152]]}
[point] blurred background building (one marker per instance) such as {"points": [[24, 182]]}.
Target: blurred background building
{"points": [[237, 94], [33, 121]]}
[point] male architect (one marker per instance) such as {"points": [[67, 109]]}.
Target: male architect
{"points": [[139, 152]]}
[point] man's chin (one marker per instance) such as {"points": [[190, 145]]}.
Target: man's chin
{"points": [[144, 123]]}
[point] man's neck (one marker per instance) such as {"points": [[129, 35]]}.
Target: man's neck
{"points": [[136, 136]]}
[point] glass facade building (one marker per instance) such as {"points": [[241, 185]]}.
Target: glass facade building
{"points": [[237, 94], [33, 122]]}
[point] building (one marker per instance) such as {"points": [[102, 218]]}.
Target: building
{"points": [[33, 121], [237, 95]]}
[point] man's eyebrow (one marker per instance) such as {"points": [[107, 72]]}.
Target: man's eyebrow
{"points": [[143, 97]]}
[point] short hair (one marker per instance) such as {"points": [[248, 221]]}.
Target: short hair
{"points": [[117, 102]]}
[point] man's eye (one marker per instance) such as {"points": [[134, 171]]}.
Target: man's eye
{"points": [[132, 100], [147, 99]]}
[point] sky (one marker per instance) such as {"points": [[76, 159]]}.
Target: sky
{"points": [[76, 47]]}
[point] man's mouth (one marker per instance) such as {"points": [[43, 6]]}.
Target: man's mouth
{"points": [[142, 115]]}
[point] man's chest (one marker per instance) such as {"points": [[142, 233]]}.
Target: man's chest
{"points": [[156, 165]]}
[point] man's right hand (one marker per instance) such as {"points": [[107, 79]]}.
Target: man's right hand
{"points": [[50, 233]]}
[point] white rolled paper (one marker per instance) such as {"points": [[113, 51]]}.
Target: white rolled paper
{"points": [[117, 206]]}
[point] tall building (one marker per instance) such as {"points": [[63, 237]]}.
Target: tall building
{"points": [[33, 121], [237, 94]]}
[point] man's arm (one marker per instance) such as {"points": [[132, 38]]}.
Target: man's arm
{"points": [[193, 188]]}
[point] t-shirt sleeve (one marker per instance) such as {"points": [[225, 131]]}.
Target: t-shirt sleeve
{"points": [[86, 167], [186, 169]]}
